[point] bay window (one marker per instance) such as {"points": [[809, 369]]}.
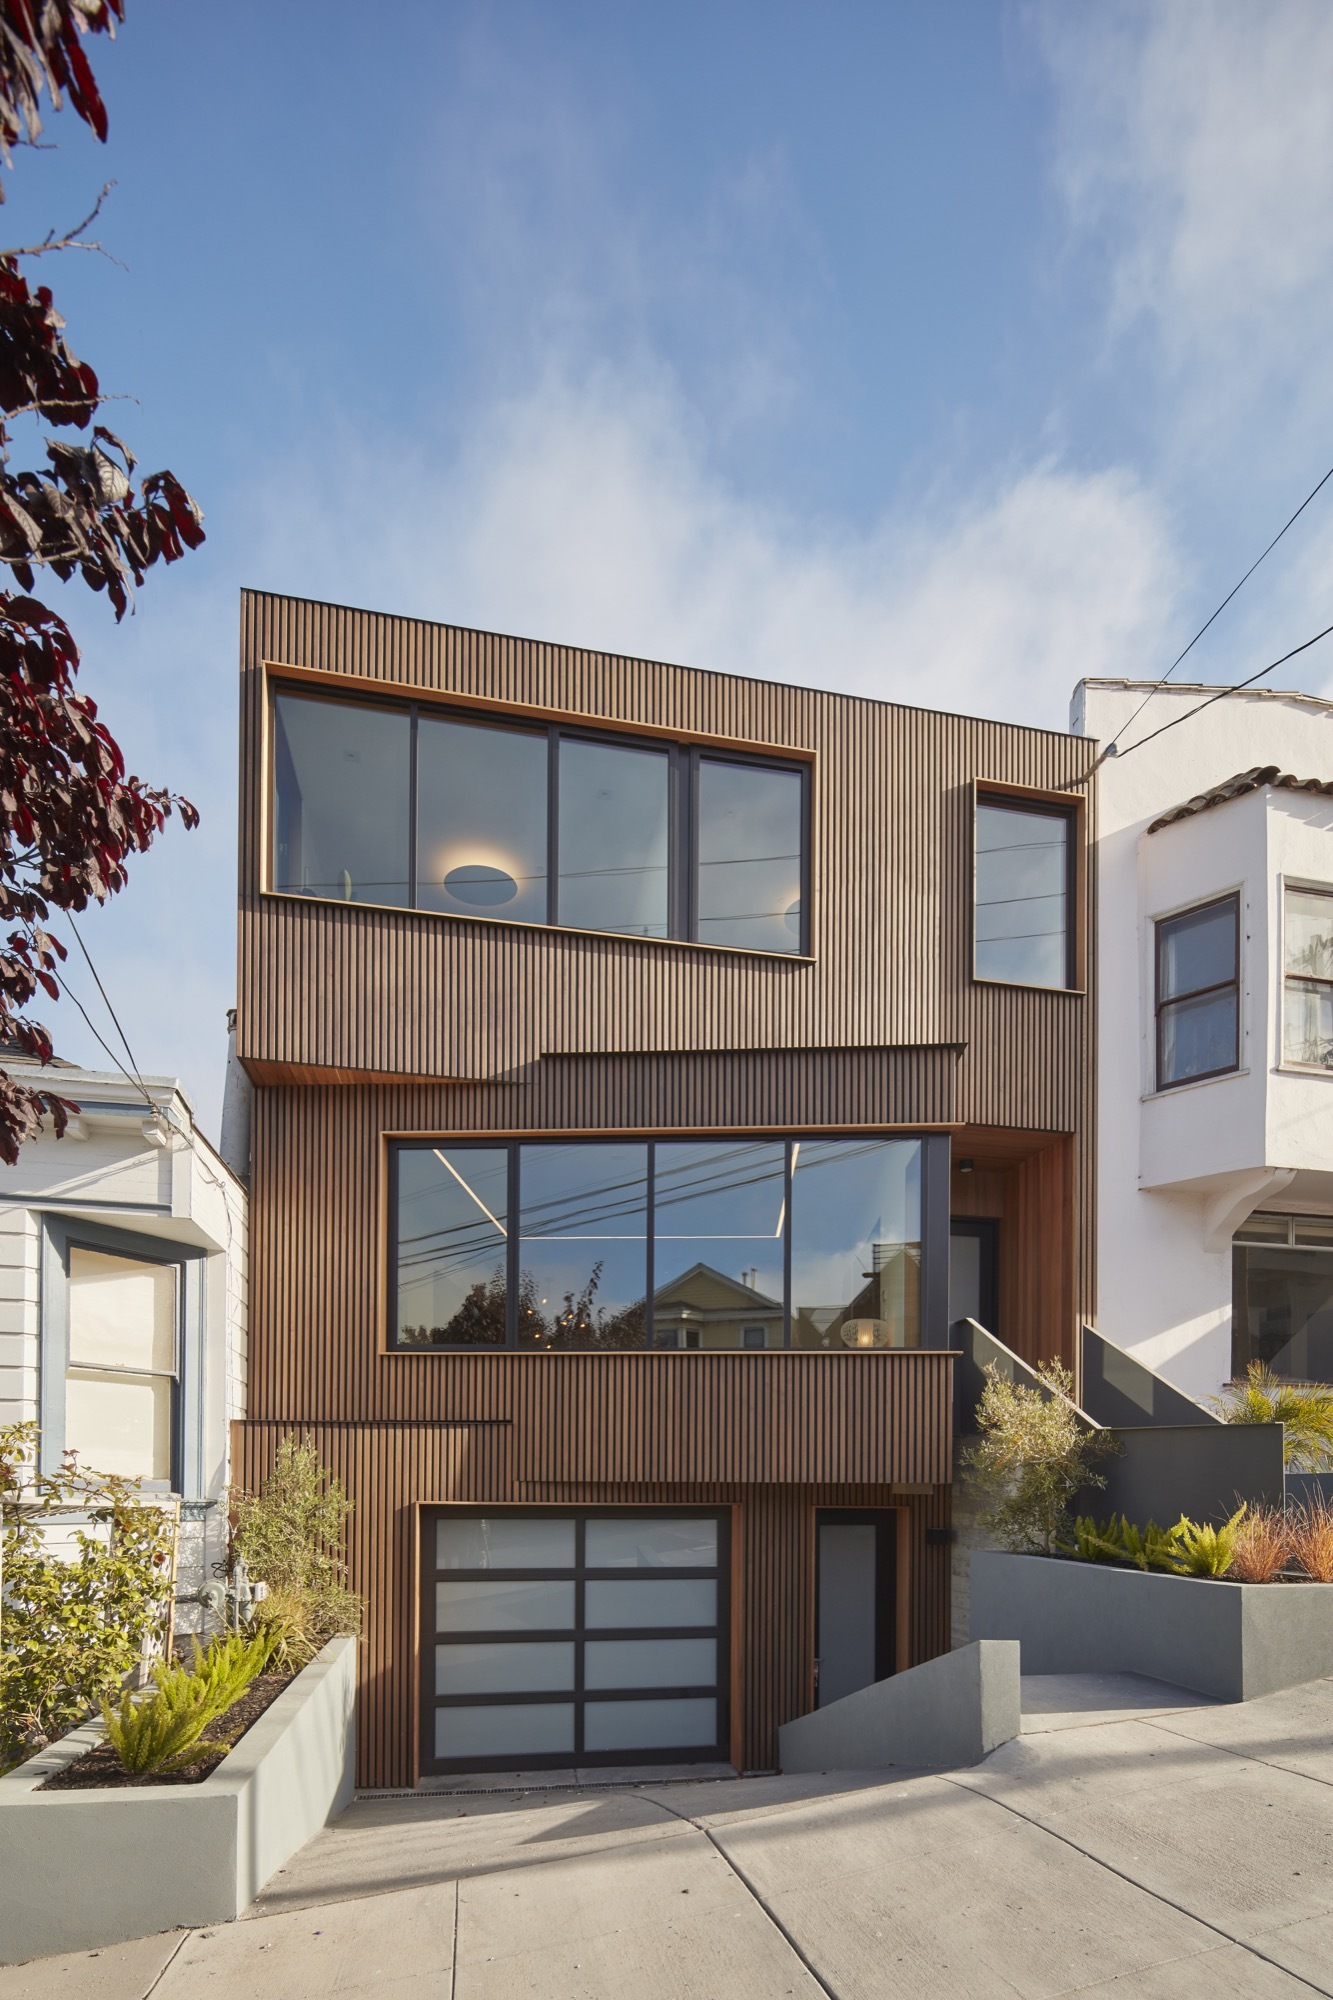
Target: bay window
{"points": [[1198, 992], [1307, 985]]}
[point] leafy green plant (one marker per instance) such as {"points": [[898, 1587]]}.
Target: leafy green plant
{"points": [[1118, 1540], [1304, 1409], [71, 1625], [1033, 1456], [292, 1628], [164, 1730], [1204, 1550], [290, 1535]]}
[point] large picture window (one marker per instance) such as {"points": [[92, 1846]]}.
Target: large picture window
{"points": [[670, 1244], [1024, 893], [1198, 993], [1307, 995], [411, 806], [1282, 1296]]}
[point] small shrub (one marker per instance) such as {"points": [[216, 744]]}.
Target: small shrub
{"points": [[164, 1730], [1304, 1409], [291, 1626], [1310, 1530], [289, 1535], [224, 1669], [1033, 1456], [1202, 1549], [1263, 1545], [1118, 1540]]}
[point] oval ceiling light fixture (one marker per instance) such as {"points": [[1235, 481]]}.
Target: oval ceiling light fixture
{"points": [[866, 1333], [485, 888]]}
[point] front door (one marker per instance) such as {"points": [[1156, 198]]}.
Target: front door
{"points": [[974, 1274], [855, 1572]]}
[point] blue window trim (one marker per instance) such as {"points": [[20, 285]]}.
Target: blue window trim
{"points": [[60, 1234]]}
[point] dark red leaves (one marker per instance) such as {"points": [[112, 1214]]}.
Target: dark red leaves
{"points": [[40, 50]]}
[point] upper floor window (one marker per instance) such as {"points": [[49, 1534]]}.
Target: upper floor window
{"points": [[1198, 992], [670, 1244], [1307, 997], [1024, 893], [542, 824]]}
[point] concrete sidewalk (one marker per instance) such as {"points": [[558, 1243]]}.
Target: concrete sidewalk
{"points": [[1131, 1846]]}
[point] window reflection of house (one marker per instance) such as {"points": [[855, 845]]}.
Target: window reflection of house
{"points": [[703, 1307]]}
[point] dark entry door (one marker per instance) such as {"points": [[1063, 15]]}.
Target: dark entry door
{"points": [[855, 1575], [974, 1271]]}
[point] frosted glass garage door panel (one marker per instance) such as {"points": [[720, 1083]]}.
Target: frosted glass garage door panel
{"points": [[650, 1725], [498, 1541], [683, 1600], [535, 1668], [643, 1543], [517, 1606], [506, 1730], [649, 1663]]}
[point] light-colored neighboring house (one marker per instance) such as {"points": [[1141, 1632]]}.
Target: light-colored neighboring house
{"points": [[1215, 1029], [123, 1298]]}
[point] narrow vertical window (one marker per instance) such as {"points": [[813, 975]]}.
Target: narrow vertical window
{"points": [[719, 1222], [1307, 1000], [613, 831], [856, 1243], [120, 1383], [1024, 857], [481, 820], [342, 775], [1198, 993], [749, 856], [452, 1228], [583, 1246]]}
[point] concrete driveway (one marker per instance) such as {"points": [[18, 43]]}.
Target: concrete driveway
{"points": [[1129, 1844]]}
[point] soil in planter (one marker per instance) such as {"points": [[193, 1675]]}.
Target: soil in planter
{"points": [[100, 1767]]}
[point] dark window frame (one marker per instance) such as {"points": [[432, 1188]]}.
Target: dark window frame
{"points": [[683, 761], [933, 1329], [1038, 806], [1304, 980], [1162, 1006], [578, 1634]]}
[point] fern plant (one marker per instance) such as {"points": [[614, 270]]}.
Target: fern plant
{"points": [[225, 1668], [1203, 1550], [164, 1731]]}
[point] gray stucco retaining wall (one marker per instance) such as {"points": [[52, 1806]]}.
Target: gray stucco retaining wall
{"points": [[946, 1713], [84, 1869], [1230, 1640]]}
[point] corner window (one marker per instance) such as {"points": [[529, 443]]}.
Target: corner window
{"points": [[672, 1244], [1307, 991], [1282, 1296], [413, 807], [1024, 897], [1198, 993], [122, 1364]]}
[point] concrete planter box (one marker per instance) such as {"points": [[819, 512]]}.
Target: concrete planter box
{"points": [[91, 1868], [1233, 1641]]}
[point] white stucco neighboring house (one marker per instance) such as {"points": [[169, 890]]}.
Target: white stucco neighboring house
{"points": [[123, 1298], [1215, 1028]]}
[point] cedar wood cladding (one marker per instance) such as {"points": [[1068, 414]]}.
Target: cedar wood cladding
{"points": [[356, 1022], [391, 1470]]}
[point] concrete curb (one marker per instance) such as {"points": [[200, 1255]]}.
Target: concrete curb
{"points": [[946, 1713], [84, 1869]]}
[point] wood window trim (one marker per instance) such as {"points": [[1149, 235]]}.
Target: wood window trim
{"points": [[692, 745], [389, 1141], [1160, 1084], [1073, 805]]}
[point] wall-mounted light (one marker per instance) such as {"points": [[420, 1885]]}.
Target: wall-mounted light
{"points": [[966, 1166]]}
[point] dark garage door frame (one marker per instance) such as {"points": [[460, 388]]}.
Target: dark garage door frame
{"points": [[581, 1574]]}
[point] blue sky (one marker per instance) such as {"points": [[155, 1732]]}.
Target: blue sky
{"points": [[942, 353]]}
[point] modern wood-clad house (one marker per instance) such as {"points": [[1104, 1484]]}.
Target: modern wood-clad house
{"points": [[635, 1051]]}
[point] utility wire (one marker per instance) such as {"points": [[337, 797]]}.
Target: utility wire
{"points": [[111, 1011], [1156, 689], [67, 993], [1223, 692]]}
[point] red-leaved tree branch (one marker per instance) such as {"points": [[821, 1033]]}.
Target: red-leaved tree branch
{"points": [[70, 816]]}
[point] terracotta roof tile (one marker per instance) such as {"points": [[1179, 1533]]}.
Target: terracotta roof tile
{"points": [[1237, 787]]}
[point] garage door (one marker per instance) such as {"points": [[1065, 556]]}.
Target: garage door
{"points": [[552, 1639]]}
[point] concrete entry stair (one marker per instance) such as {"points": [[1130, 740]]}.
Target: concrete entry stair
{"points": [[946, 1713]]}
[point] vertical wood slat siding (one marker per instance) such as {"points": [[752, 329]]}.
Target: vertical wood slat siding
{"points": [[392, 1470], [321, 983]]}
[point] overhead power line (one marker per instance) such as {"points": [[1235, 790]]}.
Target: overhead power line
{"points": [[1159, 685], [1222, 693]]}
